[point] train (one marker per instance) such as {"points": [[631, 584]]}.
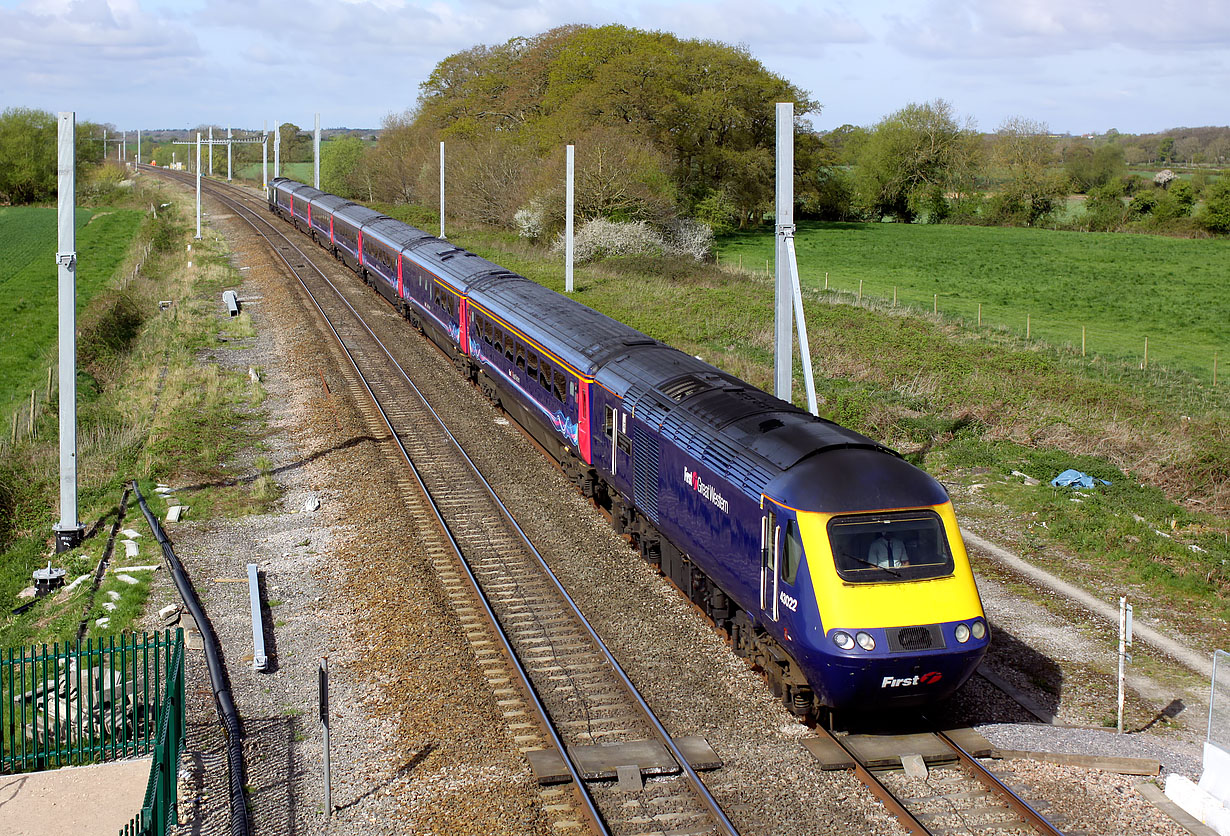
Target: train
{"points": [[831, 563]]}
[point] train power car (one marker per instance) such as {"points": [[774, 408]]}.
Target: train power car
{"points": [[831, 562]]}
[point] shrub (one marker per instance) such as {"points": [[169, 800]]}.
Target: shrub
{"points": [[600, 238], [531, 221], [685, 236], [1215, 216]]}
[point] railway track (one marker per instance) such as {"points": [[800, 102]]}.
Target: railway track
{"points": [[941, 789], [571, 708]]}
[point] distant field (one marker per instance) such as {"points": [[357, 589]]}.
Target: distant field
{"points": [[28, 285], [303, 172], [1121, 287]]}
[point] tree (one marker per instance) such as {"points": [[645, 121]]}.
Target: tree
{"points": [[911, 157], [1215, 216], [707, 108], [1089, 168], [27, 155], [1025, 151], [341, 168], [295, 145]]}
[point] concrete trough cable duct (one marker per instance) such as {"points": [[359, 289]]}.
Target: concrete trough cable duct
{"points": [[217, 673]]}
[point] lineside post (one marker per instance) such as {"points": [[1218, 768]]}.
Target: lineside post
{"points": [[442, 189], [277, 150], [316, 151], [228, 153], [211, 150], [323, 685], [69, 532], [265, 155]]}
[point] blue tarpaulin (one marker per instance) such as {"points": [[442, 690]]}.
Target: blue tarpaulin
{"points": [[1076, 479]]}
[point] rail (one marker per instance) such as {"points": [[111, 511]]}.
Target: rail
{"points": [[722, 823]]}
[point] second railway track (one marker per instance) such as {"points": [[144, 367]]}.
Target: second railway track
{"points": [[574, 684]]}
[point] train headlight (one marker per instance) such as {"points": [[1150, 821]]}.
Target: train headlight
{"points": [[979, 629], [962, 632], [865, 641], [843, 640]]}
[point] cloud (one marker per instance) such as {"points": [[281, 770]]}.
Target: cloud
{"points": [[97, 33], [976, 29]]}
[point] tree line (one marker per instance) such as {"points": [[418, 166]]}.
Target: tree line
{"points": [[29, 145]]}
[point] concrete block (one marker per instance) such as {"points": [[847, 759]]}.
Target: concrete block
{"points": [[130, 533], [128, 579], [312, 503], [102, 622], [176, 512], [131, 549]]}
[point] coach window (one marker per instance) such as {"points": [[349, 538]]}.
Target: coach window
{"points": [[531, 365], [544, 375], [498, 339], [793, 553], [520, 355], [558, 388]]}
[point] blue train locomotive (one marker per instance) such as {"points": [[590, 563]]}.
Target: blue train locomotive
{"points": [[832, 563]]}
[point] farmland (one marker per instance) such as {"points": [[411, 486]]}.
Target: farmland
{"points": [[1120, 288], [28, 290]]}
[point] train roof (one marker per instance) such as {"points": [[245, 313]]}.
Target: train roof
{"points": [[357, 214], [747, 435], [577, 334], [308, 193], [853, 480], [393, 233], [330, 202]]}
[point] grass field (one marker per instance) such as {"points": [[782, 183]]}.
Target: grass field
{"points": [[28, 285], [303, 172], [1121, 288]]}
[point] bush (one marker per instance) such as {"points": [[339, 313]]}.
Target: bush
{"points": [[531, 221], [600, 238], [1215, 216], [684, 236]]}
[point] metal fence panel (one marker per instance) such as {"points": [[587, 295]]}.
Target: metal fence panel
{"points": [[1219, 702], [82, 703]]}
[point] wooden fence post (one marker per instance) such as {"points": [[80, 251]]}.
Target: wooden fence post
{"points": [[1146, 363], [860, 291], [979, 314], [1082, 341], [1027, 330]]}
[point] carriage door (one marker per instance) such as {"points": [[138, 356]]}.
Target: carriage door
{"points": [[770, 560], [615, 426]]}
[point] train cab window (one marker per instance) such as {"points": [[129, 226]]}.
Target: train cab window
{"points": [[608, 421], [792, 552], [879, 548]]}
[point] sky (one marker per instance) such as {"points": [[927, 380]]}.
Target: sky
{"points": [[1078, 66]]}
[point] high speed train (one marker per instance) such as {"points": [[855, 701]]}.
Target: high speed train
{"points": [[832, 563]]}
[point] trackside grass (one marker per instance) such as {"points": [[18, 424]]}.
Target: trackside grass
{"points": [[153, 411], [1121, 288], [970, 405]]}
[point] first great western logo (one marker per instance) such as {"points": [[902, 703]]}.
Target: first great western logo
{"points": [[706, 490]]}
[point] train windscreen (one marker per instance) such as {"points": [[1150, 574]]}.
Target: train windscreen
{"points": [[880, 548]]}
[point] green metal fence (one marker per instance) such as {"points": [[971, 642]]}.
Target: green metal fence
{"points": [[158, 810], [83, 703]]}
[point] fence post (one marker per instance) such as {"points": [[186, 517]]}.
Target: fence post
{"points": [[1146, 364], [1027, 329]]}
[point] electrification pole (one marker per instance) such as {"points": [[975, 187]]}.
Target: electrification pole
{"points": [[316, 151], [69, 532], [787, 290], [228, 153], [277, 150], [568, 206], [198, 184], [442, 189], [265, 155], [211, 150]]}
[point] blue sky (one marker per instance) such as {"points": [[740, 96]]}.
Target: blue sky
{"points": [[1076, 65]]}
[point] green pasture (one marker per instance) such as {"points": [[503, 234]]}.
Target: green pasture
{"points": [[1120, 288], [303, 172], [28, 285]]}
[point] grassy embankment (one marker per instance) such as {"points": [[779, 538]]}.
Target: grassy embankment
{"points": [[973, 405], [151, 410]]}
